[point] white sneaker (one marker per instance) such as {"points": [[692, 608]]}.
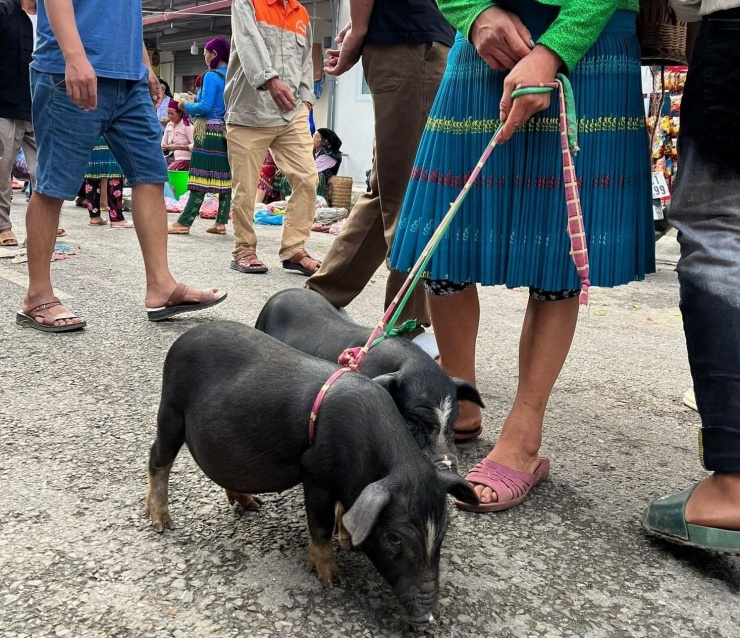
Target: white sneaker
{"points": [[689, 399]]}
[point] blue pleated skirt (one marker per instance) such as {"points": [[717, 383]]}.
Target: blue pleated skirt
{"points": [[102, 164], [511, 229]]}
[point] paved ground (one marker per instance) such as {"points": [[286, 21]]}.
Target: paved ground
{"points": [[78, 559]]}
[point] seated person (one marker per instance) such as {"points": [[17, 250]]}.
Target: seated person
{"points": [[177, 141], [326, 155], [326, 145]]}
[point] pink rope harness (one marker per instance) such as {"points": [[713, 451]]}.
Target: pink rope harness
{"points": [[351, 358]]}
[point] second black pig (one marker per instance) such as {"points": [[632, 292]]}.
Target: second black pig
{"points": [[425, 394]]}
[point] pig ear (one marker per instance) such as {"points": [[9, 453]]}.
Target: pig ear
{"points": [[457, 486], [389, 382], [362, 516], [466, 392]]}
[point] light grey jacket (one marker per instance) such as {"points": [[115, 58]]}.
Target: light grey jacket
{"points": [[270, 39]]}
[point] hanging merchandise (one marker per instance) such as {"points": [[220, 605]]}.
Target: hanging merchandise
{"points": [[663, 124]]}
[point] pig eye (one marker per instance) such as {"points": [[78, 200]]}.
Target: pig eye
{"points": [[393, 539]]}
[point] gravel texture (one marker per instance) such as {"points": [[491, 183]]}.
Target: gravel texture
{"points": [[77, 416]]}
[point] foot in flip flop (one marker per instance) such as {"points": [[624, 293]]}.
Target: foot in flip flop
{"points": [[176, 228], [50, 316], [185, 299], [248, 263], [509, 486], [8, 238], [303, 263], [705, 516]]}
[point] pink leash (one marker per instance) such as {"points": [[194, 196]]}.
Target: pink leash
{"points": [[351, 358]]}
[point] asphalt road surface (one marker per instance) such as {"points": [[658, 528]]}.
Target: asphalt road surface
{"points": [[77, 417]]}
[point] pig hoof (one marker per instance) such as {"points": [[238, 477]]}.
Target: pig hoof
{"points": [[159, 522], [249, 502], [159, 516], [321, 558]]}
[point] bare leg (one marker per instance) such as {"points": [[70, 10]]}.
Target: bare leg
{"points": [[715, 502], [42, 221], [543, 347], [150, 218], [455, 320]]}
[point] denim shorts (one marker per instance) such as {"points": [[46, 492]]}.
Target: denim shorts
{"points": [[66, 134]]}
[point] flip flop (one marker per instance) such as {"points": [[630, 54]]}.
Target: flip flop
{"points": [[469, 435], [503, 480], [128, 224], [171, 230], [28, 318], [176, 304], [665, 518], [216, 231], [8, 238], [100, 223]]}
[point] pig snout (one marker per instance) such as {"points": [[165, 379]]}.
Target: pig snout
{"points": [[422, 607], [445, 461]]}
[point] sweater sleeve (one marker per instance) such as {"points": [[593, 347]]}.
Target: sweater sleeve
{"points": [[212, 84], [578, 25], [462, 13]]}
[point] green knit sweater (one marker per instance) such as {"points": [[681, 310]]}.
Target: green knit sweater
{"points": [[577, 27]]}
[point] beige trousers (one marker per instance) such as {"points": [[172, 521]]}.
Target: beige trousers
{"points": [[14, 135], [292, 149], [403, 80]]}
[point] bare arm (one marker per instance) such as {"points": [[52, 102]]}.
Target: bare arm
{"points": [[82, 84], [155, 88], [350, 38]]}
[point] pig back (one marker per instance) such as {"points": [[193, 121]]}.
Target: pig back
{"points": [[245, 400]]}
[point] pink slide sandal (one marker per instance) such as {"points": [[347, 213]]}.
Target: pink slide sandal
{"points": [[511, 486]]}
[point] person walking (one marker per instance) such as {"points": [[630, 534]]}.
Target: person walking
{"points": [[706, 211], [104, 188], [511, 229], [16, 129], [404, 50], [87, 82], [209, 171], [268, 89]]}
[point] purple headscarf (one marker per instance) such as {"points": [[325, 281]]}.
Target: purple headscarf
{"points": [[222, 49], [175, 106]]}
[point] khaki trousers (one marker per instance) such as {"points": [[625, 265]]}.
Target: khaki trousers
{"points": [[14, 134], [292, 148], [403, 80]]}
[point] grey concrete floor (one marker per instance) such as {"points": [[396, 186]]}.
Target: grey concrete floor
{"points": [[77, 416]]}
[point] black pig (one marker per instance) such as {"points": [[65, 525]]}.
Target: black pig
{"points": [[241, 401], [425, 394]]}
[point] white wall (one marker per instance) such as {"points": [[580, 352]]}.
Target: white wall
{"points": [[353, 116]]}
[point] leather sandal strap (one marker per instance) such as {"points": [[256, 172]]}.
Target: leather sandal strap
{"points": [[41, 307], [178, 295]]}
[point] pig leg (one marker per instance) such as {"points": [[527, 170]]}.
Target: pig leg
{"points": [[345, 540], [170, 437], [249, 502], [320, 514]]}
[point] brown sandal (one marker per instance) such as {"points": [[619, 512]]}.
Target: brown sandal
{"points": [[248, 263], [8, 238], [216, 231], [176, 304], [303, 263], [29, 318]]}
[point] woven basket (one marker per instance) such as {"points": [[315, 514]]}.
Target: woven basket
{"points": [[662, 37], [339, 192]]}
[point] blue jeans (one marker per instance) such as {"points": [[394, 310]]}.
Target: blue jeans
{"points": [[706, 212], [66, 134]]}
